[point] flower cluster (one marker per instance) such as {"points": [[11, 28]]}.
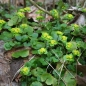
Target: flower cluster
{"points": [[69, 45], [75, 26], [25, 71], [68, 16], [49, 39], [46, 36], [15, 30], [2, 22], [23, 26], [54, 13], [39, 18], [42, 51], [83, 10], [59, 33], [26, 9], [64, 38], [69, 57], [52, 42], [20, 14], [76, 52], [39, 12]]}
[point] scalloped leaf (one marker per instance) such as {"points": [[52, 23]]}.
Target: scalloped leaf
{"points": [[21, 53]]}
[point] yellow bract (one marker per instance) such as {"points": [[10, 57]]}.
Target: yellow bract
{"points": [[70, 16], [59, 33], [27, 9], [46, 36], [42, 50], [24, 26], [15, 30], [69, 45], [25, 69], [76, 52], [2, 21], [64, 38], [20, 14], [75, 26], [53, 42]]}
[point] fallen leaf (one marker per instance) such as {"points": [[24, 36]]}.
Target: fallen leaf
{"points": [[81, 80]]}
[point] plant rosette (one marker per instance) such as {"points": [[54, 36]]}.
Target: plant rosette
{"points": [[46, 36], [53, 43], [71, 46], [42, 51], [68, 16], [63, 39], [54, 13], [15, 30], [25, 71], [2, 22], [59, 33], [69, 57], [20, 14], [76, 53]]}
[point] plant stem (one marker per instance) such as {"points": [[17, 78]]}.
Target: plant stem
{"points": [[60, 73], [62, 63], [40, 8], [56, 72]]}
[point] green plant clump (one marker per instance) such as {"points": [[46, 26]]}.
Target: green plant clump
{"points": [[56, 46]]}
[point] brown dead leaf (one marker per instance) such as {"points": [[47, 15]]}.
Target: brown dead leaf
{"points": [[15, 65], [81, 80]]}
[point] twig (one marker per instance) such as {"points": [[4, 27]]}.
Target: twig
{"points": [[56, 72], [53, 4], [19, 70], [62, 63], [40, 8], [61, 72]]}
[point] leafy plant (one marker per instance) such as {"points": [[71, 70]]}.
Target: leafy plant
{"points": [[56, 46]]}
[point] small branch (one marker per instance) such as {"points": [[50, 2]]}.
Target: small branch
{"points": [[53, 4], [40, 8], [24, 3], [56, 72], [61, 72], [20, 69], [62, 63]]}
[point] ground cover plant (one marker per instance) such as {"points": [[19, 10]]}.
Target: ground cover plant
{"points": [[55, 46]]}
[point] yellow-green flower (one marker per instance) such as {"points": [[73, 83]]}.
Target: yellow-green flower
{"points": [[20, 14], [69, 45], [46, 36], [83, 9], [64, 38], [59, 33], [21, 10], [39, 12], [25, 70], [76, 52], [75, 26], [68, 16], [15, 30], [69, 57], [39, 18], [27, 9], [2, 22], [52, 42], [54, 13], [42, 51], [24, 26]]}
